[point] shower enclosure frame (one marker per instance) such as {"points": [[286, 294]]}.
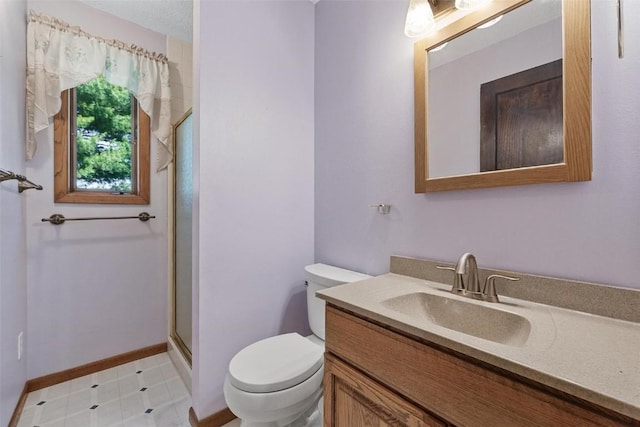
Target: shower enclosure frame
{"points": [[182, 347]]}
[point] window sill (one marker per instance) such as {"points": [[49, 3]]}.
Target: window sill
{"points": [[101, 197]]}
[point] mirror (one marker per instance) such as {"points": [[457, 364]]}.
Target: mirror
{"points": [[508, 104]]}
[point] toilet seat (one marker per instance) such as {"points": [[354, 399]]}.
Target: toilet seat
{"points": [[275, 363]]}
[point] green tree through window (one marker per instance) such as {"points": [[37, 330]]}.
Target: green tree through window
{"points": [[103, 136]]}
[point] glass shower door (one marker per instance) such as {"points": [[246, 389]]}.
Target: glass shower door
{"points": [[183, 220]]}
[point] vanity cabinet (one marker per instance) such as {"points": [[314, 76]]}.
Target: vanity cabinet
{"points": [[359, 401], [375, 376]]}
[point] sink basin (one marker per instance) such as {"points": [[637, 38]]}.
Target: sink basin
{"points": [[467, 317]]}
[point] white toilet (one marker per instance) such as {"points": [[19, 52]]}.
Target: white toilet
{"points": [[278, 381]]}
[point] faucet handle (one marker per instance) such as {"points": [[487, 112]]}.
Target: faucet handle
{"points": [[489, 291], [458, 283]]}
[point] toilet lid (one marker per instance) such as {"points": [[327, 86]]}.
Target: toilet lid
{"points": [[275, 363]]}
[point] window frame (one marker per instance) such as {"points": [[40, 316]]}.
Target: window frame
{"points": [[64, 158]]}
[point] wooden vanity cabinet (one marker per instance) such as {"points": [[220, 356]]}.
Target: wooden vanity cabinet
{"points": [[377, 377], [356, 400]]}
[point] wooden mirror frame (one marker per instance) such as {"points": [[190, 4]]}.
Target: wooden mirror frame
{"points": [[576, 23]]}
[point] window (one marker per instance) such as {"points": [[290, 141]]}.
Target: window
{"points": [[101, 146]]}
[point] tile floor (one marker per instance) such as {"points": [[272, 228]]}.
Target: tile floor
{"points": [[146, 392]]}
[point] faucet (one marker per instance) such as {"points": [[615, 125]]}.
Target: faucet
{"points": [[471, 288], [466, 265]]}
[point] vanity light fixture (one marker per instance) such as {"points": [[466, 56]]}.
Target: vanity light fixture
{"points": [[420, 20], [471, 4]]}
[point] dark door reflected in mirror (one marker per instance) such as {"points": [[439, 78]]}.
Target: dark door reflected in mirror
{"points": [[521, 119]]}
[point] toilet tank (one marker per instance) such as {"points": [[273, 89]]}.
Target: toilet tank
{"points": [[322, 276]]}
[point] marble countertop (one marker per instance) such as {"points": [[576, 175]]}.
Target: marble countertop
{"points": [[593, 357]]}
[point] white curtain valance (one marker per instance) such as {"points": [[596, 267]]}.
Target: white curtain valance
{"points": [[60, 57]]}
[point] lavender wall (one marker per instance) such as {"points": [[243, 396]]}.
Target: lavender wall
{"points": [[95, 288], [253, 143], [364, 154], [13, 280]]}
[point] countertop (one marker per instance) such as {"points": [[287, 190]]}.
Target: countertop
{"points": [[593, 357]]}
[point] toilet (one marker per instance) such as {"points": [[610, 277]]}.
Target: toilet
{"points": [[277, 381]]}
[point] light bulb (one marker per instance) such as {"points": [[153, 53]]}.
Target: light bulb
{"points": [[420, 20], [470, 4]]}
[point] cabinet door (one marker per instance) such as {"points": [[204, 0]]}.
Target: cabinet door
{"points": [[354, 400]]}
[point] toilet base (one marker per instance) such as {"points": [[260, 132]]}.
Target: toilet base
{"points": [[276, 409], [315, 420], [312, 417]]}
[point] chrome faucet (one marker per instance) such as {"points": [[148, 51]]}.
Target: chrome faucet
{"points": [[470, 288]]}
